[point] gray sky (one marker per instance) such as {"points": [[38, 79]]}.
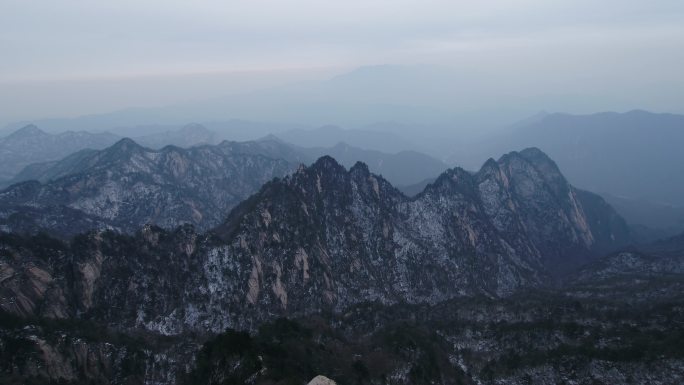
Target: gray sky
{"points": [[75, 57]]}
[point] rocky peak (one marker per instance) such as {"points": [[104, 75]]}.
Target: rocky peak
{"points": [[454, 180], [122, 153], [490, 165], [544, 165], [325, 172], [329, 178], [327, 163], [530, 171], [492, 169], [360, 168], [123, 148], [533, 156]]}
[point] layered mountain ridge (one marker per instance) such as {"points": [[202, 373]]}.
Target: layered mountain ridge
{"points": [[127, 186], [30, 144], [114, 173]]}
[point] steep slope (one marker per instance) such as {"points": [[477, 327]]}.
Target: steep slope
{"points": [[31, 145], [126, 186]]}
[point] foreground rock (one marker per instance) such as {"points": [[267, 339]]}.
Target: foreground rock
{"points": [[321, 380]]}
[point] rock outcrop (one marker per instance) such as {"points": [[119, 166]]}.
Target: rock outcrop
{"points": [[321, 380]]}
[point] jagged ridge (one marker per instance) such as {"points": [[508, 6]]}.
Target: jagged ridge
{"points": [[327, 238], [126, 186]]}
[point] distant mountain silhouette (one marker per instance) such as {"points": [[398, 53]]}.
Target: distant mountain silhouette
{"points": [[636, 155], [650, 220], [362, 96], [30, 153], [328, 136], [186, 136], [30, 144]]}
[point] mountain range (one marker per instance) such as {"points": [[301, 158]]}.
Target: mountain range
{"points": [[267, 262], [488, 276], [401, 167], [30, 145], [474, 257], [126, 186], [347, 236], [599, 152]]}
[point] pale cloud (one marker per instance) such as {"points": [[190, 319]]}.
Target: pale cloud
{"points": [[53, 39], [511, 45]]}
